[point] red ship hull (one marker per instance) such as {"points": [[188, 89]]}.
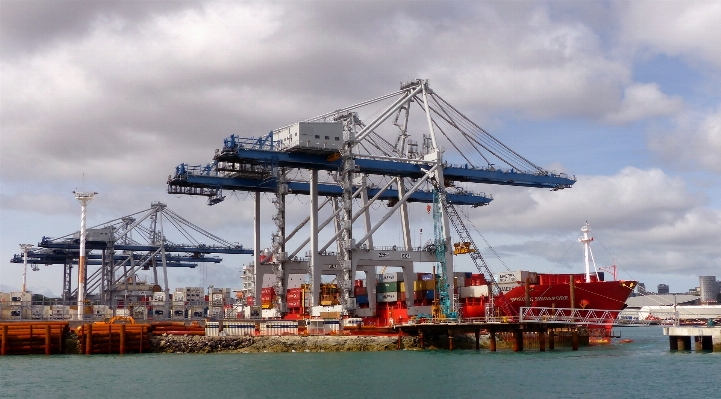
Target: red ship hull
{"points": [[602, 295]]}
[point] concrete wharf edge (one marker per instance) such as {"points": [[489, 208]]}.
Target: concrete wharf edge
{"points": [[707, 338]]}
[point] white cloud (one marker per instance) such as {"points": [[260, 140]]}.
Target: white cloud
{"points": [[642, 101], [694, 143], [649, 220], [685, 28]]}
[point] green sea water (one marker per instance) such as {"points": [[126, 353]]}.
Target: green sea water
{"points": [[644, 368]]}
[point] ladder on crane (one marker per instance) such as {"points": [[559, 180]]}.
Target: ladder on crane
{"points": [[495, 293]]}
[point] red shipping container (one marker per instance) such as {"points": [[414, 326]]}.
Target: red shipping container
{"points": [[295, 295], [360, 291], [402, 297], [250, 301], [267, 290], [359, 283], [419, 295], [294, 304]]}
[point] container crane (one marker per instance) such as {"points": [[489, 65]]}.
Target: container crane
{"points": [[495, 293]]}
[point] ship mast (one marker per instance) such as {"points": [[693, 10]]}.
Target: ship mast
{"points": [[586, 240]]}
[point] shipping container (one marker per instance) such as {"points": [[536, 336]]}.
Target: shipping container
{"points": [[516, 277], [425, 276], [360, 290], [391, 277], [387, 297], [239, 328], [430, 295], [476, 291], [361, 299], [386, 287], [279, 327], [212, 328]]}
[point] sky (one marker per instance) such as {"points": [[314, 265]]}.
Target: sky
{"points": [[110, 96]]}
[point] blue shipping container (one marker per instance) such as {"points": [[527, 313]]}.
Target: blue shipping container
{"points": [[361, 299], [430, 294]]}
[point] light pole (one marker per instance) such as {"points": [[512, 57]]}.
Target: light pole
{"points": [[25, 248], [84, 198]]}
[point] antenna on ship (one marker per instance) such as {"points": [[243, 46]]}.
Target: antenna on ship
{"points": [[586, 240]]}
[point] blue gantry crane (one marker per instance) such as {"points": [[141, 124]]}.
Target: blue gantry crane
{"points": [[368, 152], [126, 245]]}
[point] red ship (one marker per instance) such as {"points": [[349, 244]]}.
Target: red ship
{"points": [[590, 291], [545, 290]]}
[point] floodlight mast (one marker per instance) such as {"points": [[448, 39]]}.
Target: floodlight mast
{"points": [[25, 248], [84, 198]]}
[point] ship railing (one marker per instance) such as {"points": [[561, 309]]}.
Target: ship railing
{"points": [[567, 315]]}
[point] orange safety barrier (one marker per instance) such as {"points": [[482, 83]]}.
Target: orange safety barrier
{"points": [[113, 338], [32, 338]]}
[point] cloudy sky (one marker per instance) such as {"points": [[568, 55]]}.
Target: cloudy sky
{"points": [[110, 96]]}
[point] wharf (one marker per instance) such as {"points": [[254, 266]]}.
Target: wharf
{"points": [[545, 333], [706, 338]]}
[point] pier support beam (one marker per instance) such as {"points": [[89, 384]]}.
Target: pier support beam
{"points": [[420, 338], [4, 343], [493, 341], [574, 339], [684, 343], [450, 340], [672, 343], [551, 339], [478, 339], [518, 341], [542, 341], [707, 343]]}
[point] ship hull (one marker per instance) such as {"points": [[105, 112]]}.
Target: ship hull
{"points": [[601, 295]]}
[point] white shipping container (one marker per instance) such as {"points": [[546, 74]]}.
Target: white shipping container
{"points": [[4, 298], [159, 296], [20, 298], [241, 328], [179, 296], [387, 297], [279, 327], [505, 287], [37, 312], [391, 277], [211, 328], [474, 291], [517, 276], [269, 313]]}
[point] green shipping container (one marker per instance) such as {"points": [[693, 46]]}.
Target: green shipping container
{"points": [[387, 287]]}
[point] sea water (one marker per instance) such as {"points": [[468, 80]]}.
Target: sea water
{"points": [[644, 368]]}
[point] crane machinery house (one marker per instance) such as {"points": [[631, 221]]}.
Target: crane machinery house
{"points": [[317, 137]]}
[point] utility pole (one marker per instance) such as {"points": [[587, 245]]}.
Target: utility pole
{"points": [[84, 198], [25, 248]]}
